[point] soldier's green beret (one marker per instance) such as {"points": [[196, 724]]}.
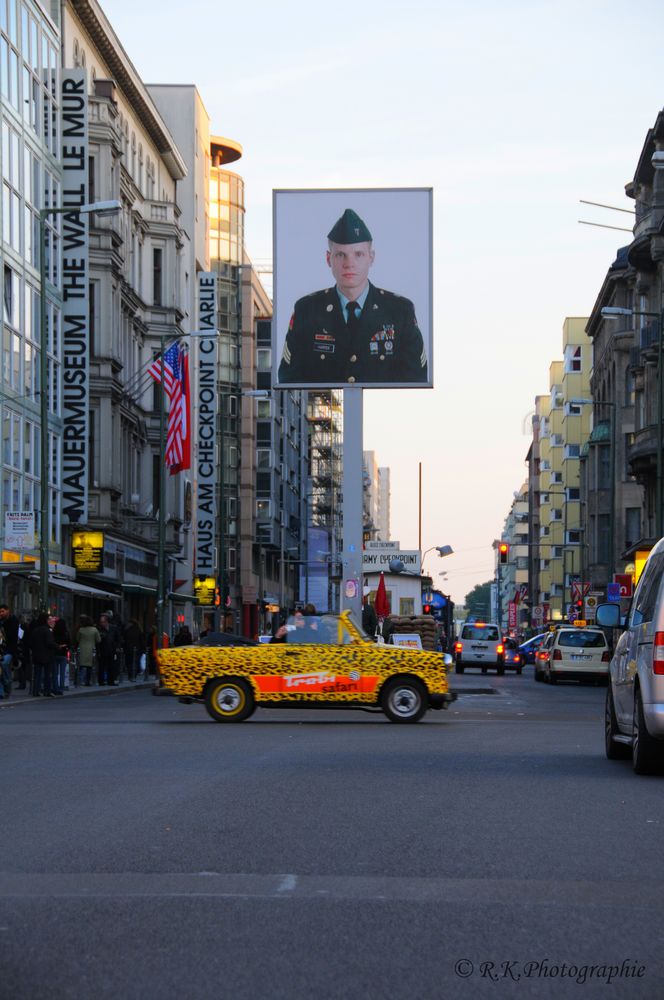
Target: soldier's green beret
{"points": [[349, 229]]}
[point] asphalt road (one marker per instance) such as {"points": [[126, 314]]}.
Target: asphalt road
{"points": [[491, 850]]}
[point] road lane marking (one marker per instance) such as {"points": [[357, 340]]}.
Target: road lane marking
{"points": [[644, 893]]}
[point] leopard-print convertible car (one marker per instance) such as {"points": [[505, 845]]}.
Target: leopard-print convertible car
{"points": [[324, 661]]}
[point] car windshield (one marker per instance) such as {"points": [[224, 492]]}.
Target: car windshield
{"points": [[323, 629], [487, 632], [582, 637]]}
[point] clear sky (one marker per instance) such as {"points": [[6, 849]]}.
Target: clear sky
{"points": [[512, 112]]}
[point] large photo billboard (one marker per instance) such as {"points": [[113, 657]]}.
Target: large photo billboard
{"points": [[353, 288]]}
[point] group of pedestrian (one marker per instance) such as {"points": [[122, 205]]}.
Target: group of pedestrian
{"points": [[43, 654]]}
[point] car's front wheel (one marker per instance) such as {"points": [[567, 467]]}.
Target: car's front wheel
{"points": [[614, 750], [404, 700], [229, 699], [647, 753]]}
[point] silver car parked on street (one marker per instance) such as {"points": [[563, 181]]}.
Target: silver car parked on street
{"points": [[634, 714]]}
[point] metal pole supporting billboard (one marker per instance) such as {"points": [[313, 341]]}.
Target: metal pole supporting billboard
{"points": [[351, 597]]}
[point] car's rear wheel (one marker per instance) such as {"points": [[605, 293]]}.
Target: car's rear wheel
{"points": [[404, 700], [647, 753], [614, 751], [551, 677], [229, 699]]}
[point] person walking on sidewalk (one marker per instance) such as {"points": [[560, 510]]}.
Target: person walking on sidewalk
{"points": [[63, 642], [134, 647], [8, 648], [108, 652], [88, 641], [44, 651]]}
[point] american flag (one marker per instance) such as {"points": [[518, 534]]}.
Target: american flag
{"points": [[176, 386]]}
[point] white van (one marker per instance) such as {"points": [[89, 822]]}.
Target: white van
{"points": [[480, 645], [634, 715]]}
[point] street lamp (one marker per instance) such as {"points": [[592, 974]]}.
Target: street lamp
{"points": [[614, 312], [104, 208], [442, 550]]}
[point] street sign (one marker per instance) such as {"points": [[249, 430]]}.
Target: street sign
{"points": [[577, 590], [590, 604], [624, 580], [538, 614], [613, 592], [511, 614]]}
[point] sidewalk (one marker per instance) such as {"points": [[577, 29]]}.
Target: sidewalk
{"points": [[20, 697]]}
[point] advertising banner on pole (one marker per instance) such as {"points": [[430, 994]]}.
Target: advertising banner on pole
{"points": [[206, 429], [76, 348], [351, 308], [511, 614]]}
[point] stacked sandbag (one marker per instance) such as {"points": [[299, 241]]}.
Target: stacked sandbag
{"points": [[424, 625]]}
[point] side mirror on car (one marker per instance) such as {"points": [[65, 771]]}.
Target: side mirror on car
{"points": [[608, 615]]}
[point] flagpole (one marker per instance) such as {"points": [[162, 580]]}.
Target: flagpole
{"points": [[161, 543]]}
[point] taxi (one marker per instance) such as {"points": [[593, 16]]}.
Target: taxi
{"points": [[576, 652], [322, 661]]}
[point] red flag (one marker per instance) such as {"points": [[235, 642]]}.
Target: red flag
{"points": [[381, 604]]}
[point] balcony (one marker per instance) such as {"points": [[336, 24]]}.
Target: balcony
{"points": [[642, 454]]}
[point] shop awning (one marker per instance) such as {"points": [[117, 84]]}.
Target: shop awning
{"points": [[77, 588]]}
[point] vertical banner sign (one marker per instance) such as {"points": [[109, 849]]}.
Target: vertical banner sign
{"points": [[75, 311], [206, 426], [511, 614]]}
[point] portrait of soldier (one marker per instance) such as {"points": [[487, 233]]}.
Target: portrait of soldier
{"points": [[352, 331]]}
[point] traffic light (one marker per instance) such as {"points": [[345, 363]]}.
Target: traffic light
{"points": [[426, 609], [579, 605], [504, 551], [217, 597]]}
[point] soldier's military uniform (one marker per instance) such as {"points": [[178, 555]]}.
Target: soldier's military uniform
{"points": [[382, 344], [386, 345]]}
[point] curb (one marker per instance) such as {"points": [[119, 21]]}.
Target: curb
{"points": [[96, 691], [483, 690]]}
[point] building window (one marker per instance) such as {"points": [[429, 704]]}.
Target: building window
{"points": [[264, 409], [264, 359], [573, 538], [573, 358], [157, 276], [573, 493], [406, 605], [632, 525], [603, 537], [629, 443], [603, 466], [263, 510], [263, 458]]}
